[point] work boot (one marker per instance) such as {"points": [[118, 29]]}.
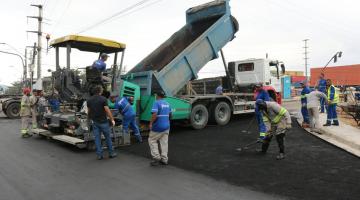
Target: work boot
{"points": [[100, 157], [280, 156], [328, 123], [164, 162], [155, 162], [305, 125], [335, 123], [113, 155]]}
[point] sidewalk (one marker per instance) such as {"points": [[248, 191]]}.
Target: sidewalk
{"points": [[343, 136]]}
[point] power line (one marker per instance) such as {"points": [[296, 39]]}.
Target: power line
{"points": [[61, 16], [114, 15]]}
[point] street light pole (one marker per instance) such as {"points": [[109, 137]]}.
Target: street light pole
{"points": [[334, 57]]}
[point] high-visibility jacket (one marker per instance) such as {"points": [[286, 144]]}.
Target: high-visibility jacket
{"points": [[333, 95], [25, 106], [276, 113]]}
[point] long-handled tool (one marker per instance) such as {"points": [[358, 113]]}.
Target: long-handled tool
{"points": [[248, 145], [249, 126]]}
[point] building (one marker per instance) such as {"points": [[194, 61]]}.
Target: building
{"points": [[347, 75]]}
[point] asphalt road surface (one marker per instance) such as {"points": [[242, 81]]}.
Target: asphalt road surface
{"points": [[313, 169], [38, 169], [203, 165]]}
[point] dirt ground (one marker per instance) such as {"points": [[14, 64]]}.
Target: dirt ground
{"points": [[347, 119], [313, 169]]}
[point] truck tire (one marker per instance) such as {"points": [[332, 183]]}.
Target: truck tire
{"points": [[222, 113], [199, 116], [13, 110]]}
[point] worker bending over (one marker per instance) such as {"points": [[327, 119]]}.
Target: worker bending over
{"points": [[159, 130], [304, 110], [333, 100], [129, 116], [313, 103], [277, 120]]}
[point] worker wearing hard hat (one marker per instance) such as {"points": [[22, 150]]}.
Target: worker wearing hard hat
{"points": [[333, 100], [129, 116], [25, 113], [277, 120], [304, 110], [34, 107]]}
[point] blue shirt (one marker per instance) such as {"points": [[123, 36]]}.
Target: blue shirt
{"points": [[304, 91], [100, 65], [322, 85], [219, 90], [263, 94], [124, 107], [162, 110]]}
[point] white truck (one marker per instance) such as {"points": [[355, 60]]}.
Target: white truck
{"points": [[243, 75]]}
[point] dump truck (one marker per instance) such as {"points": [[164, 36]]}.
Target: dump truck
{"points": [[209, 27], [242, 76]]}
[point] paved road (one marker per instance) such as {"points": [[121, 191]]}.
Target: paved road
{"points": [[38, 169], [313, 169]]}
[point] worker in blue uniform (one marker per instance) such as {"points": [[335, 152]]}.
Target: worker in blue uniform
{"points": [[260, 93], [304, 111], [322, 88], [100, 64], [129, 116], [333, 100], [219, 90], [159, 130]]}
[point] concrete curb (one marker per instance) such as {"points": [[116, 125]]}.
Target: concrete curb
{"points": [[342, 137]]}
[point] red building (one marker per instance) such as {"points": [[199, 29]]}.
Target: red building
{"points": [[340, 75]]}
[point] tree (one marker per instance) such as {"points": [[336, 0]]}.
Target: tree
{"points": [[14, 89]]}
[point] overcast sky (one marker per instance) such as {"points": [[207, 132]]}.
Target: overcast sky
{"points": [[276, 27]]}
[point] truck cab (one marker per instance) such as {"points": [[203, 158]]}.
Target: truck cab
{"points": [[246, 73]]}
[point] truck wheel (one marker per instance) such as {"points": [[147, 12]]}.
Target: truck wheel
{"points": [[13, 110], [222, 113], [199, 116]]}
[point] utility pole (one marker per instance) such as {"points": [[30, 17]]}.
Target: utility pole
{"points": [[306, 58], [39, 32]]}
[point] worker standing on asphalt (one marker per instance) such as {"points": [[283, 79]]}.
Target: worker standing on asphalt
{"points": [[278, 121], [25, 113], [129, 116], [313, 103], [333, 100], [304, 110], [159, 130], [260, 93], [98, 112], [322, 88]]}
